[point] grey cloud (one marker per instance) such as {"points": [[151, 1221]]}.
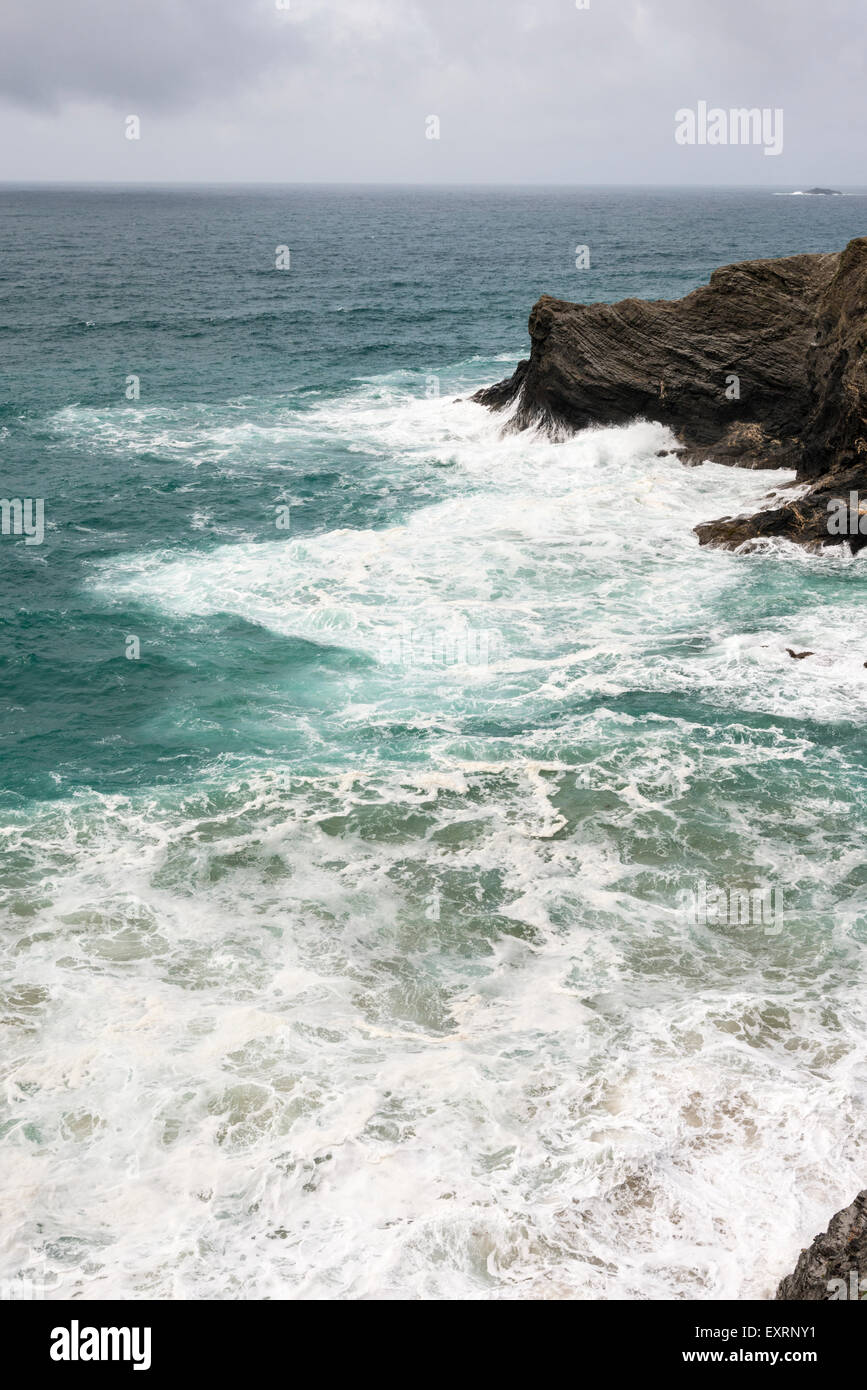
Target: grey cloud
{"points": [[166, 53], [527, 89]]}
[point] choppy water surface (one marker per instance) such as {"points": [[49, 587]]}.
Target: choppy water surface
{"points": [[348, 947]]}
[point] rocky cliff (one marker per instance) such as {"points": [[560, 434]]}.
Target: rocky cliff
{"points": [[764, 367], [835, 1265]]}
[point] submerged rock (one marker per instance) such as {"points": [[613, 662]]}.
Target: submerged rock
{"points": [[835, 1265], [764, 367]]}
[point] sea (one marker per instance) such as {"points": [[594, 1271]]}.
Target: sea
{"points": [[425, 873]]}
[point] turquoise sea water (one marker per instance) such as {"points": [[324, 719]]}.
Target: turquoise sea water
{"points": [[348, 947]]}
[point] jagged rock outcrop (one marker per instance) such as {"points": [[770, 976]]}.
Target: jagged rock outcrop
{"points": [[835, 1265], [764, 367]]}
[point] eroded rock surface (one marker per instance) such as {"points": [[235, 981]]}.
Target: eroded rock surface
{"points": [[764, 367], [837, 1255]]}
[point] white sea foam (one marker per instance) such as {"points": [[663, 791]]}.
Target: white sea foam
{"points": [[543, 544], [377, 1025], [260, 1068]]}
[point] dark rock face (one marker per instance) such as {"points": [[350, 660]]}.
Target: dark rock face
{"points": [[764, 367], [837, 1255]]}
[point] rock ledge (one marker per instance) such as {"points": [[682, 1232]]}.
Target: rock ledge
{"points": [[764, 367]]}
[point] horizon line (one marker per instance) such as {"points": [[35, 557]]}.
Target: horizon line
{"points": [[389, 183]]}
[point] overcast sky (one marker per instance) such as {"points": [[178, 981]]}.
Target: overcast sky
{"points": [[340, 90]]}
